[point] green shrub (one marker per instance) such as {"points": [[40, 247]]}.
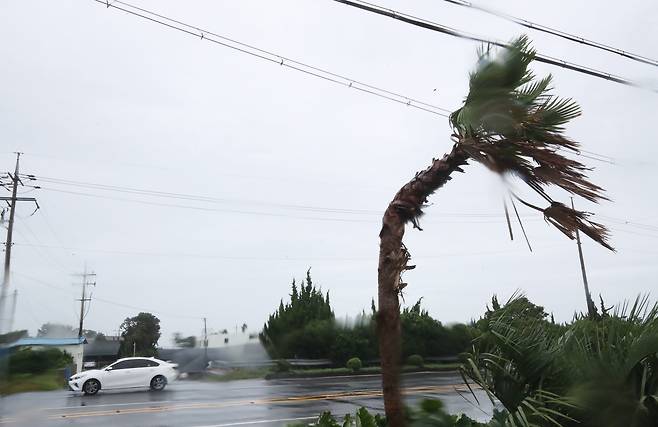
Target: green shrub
{"points": [[28, 361], [354, 364], [431, 413], [416, 360], [283, 365]]}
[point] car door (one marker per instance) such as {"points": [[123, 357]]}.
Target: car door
{"points": [[118, 375], [143, 372]]}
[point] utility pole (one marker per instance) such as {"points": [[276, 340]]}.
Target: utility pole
{"points": [[83, 299], [205, 343], [13, 311], [11, 201], [591, 308]]}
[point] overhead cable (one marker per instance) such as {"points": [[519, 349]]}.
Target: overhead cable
{"points": [[274, 58], [430, 25], [106, 301], [552, 31]]}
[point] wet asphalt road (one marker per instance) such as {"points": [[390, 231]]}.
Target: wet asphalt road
{"points": [[227, 404]]}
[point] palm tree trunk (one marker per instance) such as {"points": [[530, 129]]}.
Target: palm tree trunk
{"points": [[393, 256]]}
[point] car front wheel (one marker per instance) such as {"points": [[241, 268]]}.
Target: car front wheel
{"points": [[158, 383], [91, 387]]}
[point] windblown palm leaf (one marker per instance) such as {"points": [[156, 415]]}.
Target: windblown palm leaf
{"points": [[592, 373], [513, 124]]}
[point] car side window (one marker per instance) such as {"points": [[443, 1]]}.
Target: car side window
{"points": [[144, 363], [125, 364]]}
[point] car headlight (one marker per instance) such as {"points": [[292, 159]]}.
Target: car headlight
{"points": [[76, 377]]}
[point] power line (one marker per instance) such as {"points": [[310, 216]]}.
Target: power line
{"points": [[465, 217], [430, 25], [277, 259], [555, 32], [182, 196], [483, 216], [218, 200], [43, 254], [275, 58], [106, 301], [207, 209], [257, 213]]}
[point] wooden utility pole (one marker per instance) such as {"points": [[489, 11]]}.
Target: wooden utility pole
{"points": [[591, 308], [11, 201], [12, 314], [83, 299], [205, 343]]}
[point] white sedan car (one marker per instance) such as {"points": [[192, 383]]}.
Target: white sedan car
{"points": [[131, 372]]}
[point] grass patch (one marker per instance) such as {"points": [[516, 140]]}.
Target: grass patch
{"points": [[240, 374], [369, 370], [268, 374], [21, 383]]}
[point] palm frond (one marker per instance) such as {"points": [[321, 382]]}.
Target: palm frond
{"points": [[512, 123]]}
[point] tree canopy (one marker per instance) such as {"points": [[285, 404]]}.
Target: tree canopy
{"points": [[140, 333], [57, 330], [283, 335], [185, 342]]}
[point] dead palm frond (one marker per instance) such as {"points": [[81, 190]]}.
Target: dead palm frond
{"points": [[512, 123]]}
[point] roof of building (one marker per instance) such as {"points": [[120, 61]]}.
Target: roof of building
{"points": [[97, 348], [49, 341]]}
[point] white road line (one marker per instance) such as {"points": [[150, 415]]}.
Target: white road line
{"points": [[244, 423]]}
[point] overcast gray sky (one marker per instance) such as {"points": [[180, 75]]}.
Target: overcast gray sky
{"points": [[93, 95]]}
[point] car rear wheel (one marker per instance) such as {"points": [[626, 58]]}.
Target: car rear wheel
{"points": [[158, 383], [91, 387]]}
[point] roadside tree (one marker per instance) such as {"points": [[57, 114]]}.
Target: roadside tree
{"points": [[513, 125], [140, 335]]}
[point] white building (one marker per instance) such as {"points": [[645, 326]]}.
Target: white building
{"points": [[226, 339]]}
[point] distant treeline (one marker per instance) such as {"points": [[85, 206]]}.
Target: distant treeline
{"points": [[306, 327]]}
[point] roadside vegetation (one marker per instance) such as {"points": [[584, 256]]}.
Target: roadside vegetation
{"points": [[306, 328], [595, 371], [35, 370]]}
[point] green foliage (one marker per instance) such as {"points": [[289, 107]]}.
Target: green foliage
{"points": [[356, 340], [511, 123], [13, 336], [425, 336], [306, 328], [283, 365], [142, 332], [599, 372], [28, 361], [415, 360], [354, 364], [185, 342], [57, 330], [362, 418], [430, 413], [51, 379], [303, 327]]}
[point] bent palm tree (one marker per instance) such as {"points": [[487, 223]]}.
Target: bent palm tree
{"points": [[512, 124]]}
